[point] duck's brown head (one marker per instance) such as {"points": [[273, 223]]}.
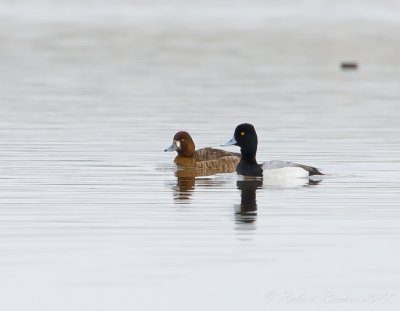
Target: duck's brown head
{"points": [[183, 144]]}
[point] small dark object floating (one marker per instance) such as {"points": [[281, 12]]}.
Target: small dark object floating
{"points": [[349, 65]]}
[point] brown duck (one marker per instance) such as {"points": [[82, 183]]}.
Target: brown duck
{"points": [[205, 161]]}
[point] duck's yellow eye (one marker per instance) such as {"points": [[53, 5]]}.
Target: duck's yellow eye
{"points": [[242, 133]]}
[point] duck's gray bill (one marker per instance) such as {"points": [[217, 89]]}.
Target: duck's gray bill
{"points": [[231, 142], [173, 147]]}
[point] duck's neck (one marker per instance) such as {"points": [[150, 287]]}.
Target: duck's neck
{"points": [[249, 154], [187, 149]]}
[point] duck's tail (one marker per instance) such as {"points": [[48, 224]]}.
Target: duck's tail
{"points": [[311, 170]]}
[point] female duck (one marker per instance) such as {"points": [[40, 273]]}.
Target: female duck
{"points": [[245, 137], [212, 160]]}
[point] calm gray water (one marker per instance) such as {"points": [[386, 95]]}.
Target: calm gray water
{"points": [[92, 216]]}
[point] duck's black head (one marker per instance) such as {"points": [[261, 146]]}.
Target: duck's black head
{"points": [[246, 138]]}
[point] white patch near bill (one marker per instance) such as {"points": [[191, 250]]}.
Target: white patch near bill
{"points": [[178, 143]]}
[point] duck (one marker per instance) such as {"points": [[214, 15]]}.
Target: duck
{"points": [[206, 161], [245, 137]]}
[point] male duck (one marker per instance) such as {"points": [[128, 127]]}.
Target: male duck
{"points": [[245, 137], [209, 160]]}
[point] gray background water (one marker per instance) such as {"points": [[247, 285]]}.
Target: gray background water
{"points": [[92, 216]]}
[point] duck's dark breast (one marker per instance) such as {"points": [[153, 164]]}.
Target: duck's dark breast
{"points": [[249, 169]]}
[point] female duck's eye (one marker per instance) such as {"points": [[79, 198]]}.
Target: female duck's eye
{"points": [[242, 133]]}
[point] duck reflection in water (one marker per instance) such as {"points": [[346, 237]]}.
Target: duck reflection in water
{"points": [[185, 185], [187, 180], [246, 212]]}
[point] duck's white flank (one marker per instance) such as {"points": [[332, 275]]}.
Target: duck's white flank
{"points": [[283, 170]]}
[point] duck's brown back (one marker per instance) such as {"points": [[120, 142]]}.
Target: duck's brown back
{"points": [[216, 160], [207, 154], [222, 165]]}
